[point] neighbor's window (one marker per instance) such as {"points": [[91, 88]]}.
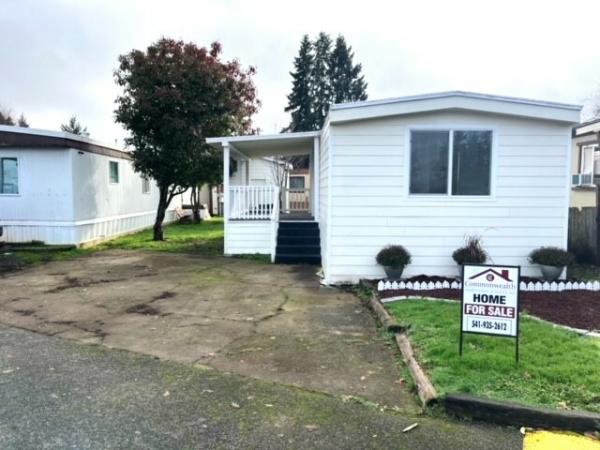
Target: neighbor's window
{"points": [[456, 162], [145, 185], [113, 171], [296, 182], [9, 176]]}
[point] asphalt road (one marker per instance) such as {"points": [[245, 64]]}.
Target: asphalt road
{"points": [[60, 394]]}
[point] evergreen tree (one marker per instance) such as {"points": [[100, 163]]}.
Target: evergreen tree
{"points": [[347, 83], [74, 127], [22, 121], [300, 102], [321, 83]]}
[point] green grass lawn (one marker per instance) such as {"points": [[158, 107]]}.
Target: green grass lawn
{"points": [[556, 365], [205, 238]]}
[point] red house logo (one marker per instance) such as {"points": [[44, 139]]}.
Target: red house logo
{"points": [[491, 274]]}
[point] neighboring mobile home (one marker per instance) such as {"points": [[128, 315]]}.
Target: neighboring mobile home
{"points": [[422, 171], [61, 188], [585, 164]]}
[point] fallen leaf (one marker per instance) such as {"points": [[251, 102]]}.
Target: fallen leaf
{"points": [[563, 405], [410, 427], [234, 405], [311, 427]]}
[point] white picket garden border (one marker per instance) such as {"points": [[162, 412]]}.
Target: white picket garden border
{"points": [[523, 286]]}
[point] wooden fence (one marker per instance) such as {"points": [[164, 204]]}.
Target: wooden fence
{"points": [[583, 234]]}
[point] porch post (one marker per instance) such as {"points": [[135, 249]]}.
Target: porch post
{"points": [[225, 192], [315, 177]]}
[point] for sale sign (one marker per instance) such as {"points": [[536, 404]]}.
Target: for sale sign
{"points": [[490, 300]]}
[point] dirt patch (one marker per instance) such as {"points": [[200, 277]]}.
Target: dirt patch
{"points": [[74, 282], [577, 309], [164, 295], [143, 308]]}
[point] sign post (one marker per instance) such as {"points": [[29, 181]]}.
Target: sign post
{"points": [[490, 302]]}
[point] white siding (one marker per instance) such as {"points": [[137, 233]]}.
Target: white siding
{"points": [[65, 198], [248, 237], [370, 205], [324, 187]]}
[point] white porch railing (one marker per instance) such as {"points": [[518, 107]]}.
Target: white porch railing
{"points": [[254, 202], [296, 199]]}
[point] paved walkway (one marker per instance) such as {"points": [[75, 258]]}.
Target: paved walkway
{"points": [[270, 322], [58, 394]]}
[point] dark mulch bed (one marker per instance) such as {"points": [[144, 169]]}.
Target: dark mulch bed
{"points": [[577, 309]]}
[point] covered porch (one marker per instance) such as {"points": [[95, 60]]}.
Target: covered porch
{"points": [[260, 190]]}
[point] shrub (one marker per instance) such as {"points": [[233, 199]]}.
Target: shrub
{"points": [[551, 256], [393, 256], [471, 253]]}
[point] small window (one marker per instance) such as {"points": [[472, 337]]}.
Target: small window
{"points": [[9, 176], [296, 182], [113, 171], [588, 158], [145, 185], [450, 162]]}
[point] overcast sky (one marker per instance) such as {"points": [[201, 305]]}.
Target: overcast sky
{"points": [[57, 57]]}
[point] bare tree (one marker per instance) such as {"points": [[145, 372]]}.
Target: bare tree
{"points": [[280, 171]]}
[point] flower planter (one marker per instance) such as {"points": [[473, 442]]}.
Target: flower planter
{"points": [[551, 273], [393, 273]]}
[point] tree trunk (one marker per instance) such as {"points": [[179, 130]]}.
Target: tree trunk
{"points": [[163, 203], [195, 200], [211, 210]]}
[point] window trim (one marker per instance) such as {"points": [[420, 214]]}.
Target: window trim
{"points": [[110, 161], [582, 149], [18, 194], [448, 195]]}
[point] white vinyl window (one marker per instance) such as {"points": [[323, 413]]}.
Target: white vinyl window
{"points": [[589, 159], [113, 172], [145, 185], [9, 176], [450, 162]]}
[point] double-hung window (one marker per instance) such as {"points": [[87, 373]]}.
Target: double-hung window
{"points": [[9, 176], [451, 162]]}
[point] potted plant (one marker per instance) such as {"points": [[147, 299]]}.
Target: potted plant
{"points": [[393, 258], [552, 261], [470, 253]]}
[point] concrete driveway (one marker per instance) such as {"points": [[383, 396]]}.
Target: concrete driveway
{"points": [[271, 322]]}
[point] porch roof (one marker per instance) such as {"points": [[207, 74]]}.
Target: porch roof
{"points": [[259, 145]]}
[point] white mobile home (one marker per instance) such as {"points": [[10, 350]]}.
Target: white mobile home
{"points": [[422, 171], [61, 188]]}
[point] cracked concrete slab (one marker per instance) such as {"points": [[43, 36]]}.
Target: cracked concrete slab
{"points": [[272, 322]]}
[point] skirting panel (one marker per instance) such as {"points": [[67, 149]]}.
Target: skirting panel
{"points": [[77, 234]]}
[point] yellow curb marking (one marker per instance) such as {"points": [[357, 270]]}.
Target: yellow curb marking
{"points": [[547, 440]]}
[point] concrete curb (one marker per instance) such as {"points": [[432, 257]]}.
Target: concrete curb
{"points": [[509, 413]]}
